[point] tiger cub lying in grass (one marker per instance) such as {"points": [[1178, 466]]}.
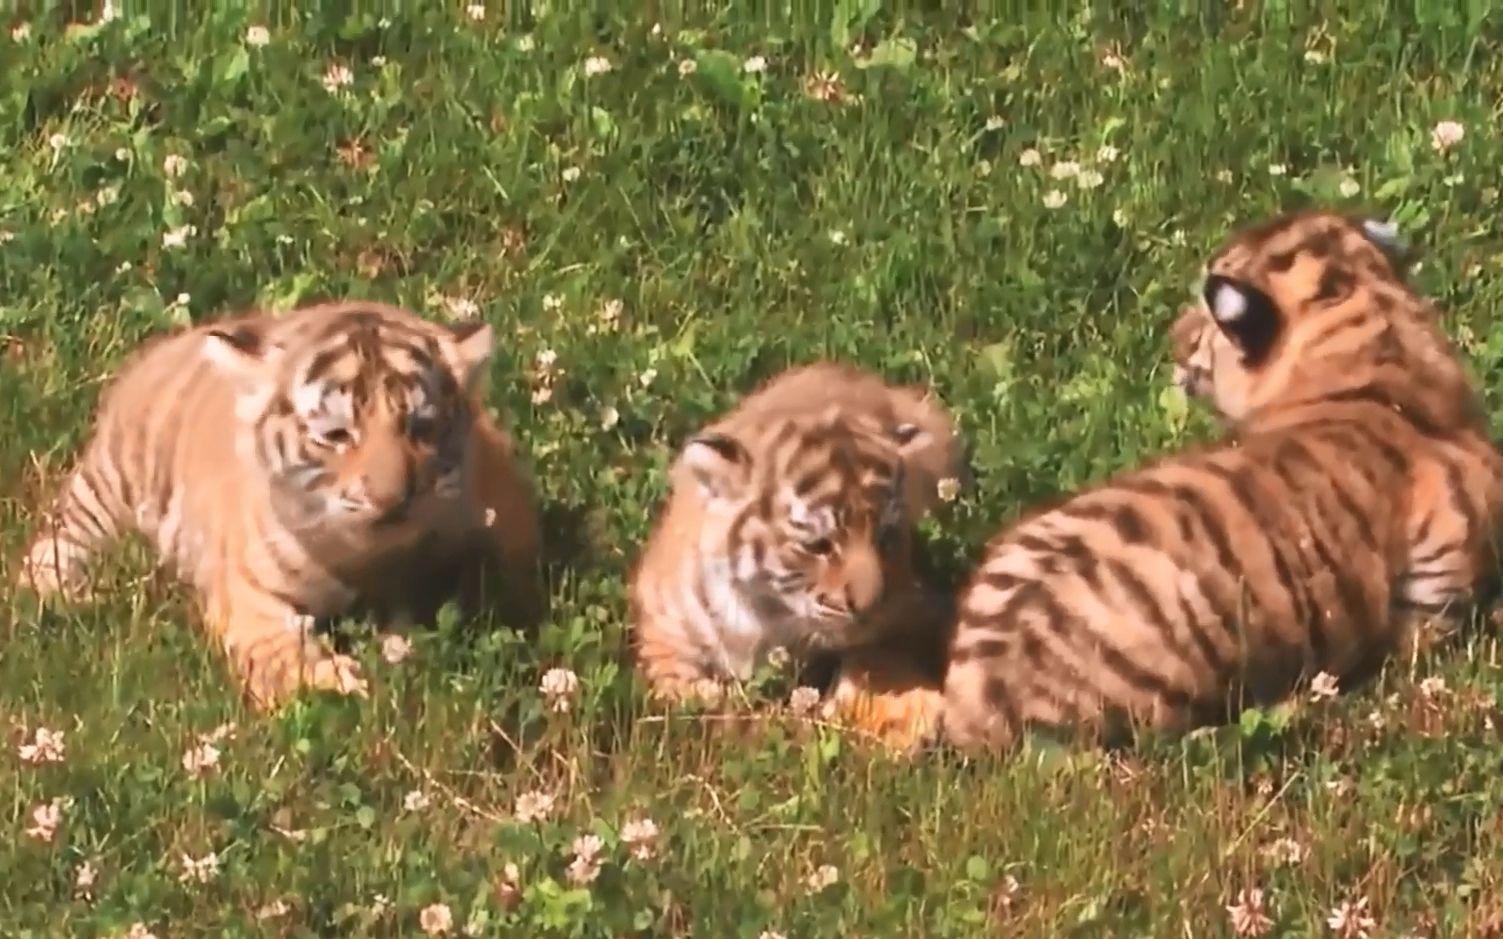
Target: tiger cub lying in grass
{"points": [[790, 524], [1358, 484], [296, 466]]}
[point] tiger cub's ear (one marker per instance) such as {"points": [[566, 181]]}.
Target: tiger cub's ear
{"points": [[473, 344], [242, 351], [1247, 315], [718, 464], [1386, 237]]}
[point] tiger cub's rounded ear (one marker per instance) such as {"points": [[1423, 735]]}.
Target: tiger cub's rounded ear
{"points": [[241, 350], [474, 343], [717, 463], [1385, 235], [1247, 315]]}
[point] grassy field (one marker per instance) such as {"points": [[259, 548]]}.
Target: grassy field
{"points": [[656, 214]]}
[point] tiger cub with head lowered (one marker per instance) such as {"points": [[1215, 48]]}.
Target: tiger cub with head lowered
{"points": [[790, 524], [333, 458], [1358, 483]]}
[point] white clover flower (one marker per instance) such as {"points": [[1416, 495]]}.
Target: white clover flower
{"points": [[1446, 135], [803, 701], [200, 870], [1053, 199], [1351, 920], [338, 76], [647, 377], [1433, 687], [178, 237], [837, 237], [558, 687], [1107, 154], [1030, 157], [1249, 914], [826, 875], [1324, 686], [948, 489], [1350, 187], [1315, 57], [640, 835], [1065, 169], [475, 11], [200, 759], [257, 36], [109, 195], [533, 806], [552, 301], [46, 746], [687, 67], [20, 32], [1286, 852], [525, 43], [45, 820], [597, 65], [1089, 179], [84, 879], [609, 417], [995, 122], [570, 174], [1277, 169], [57, 142], [436, 919], [415, 801], [585, 866], [395, 648], [754, 65]]}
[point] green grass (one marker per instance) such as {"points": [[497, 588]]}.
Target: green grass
{"points": [[744, 226]]}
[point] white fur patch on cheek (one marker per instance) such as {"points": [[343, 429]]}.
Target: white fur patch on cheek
{"points": [[1228, 305], [307, 398]]}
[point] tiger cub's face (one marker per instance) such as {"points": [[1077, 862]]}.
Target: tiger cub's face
{"points": [[1284, 301], [358, 413], [802, 517]]}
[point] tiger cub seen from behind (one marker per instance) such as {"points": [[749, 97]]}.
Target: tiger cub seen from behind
{"points": [[334, 458], [790, 524], [1456, 473], [1358, 479]]}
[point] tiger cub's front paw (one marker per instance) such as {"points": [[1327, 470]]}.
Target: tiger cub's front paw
{"points": [[905, 719]]}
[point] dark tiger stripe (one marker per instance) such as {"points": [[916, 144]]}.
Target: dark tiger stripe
{"points": [[1126, 522], [1141, 679], [1456, 487]]}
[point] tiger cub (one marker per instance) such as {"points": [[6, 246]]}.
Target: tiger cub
{"points": [[1358, 479], [1456, 478], [334, 458], [790, 524]]}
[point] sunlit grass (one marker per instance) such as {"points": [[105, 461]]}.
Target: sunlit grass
{"points": [[655, 215]]}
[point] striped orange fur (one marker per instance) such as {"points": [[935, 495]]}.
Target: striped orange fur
{"points": [[1357, 485], [334, 458], [790, 524]]}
